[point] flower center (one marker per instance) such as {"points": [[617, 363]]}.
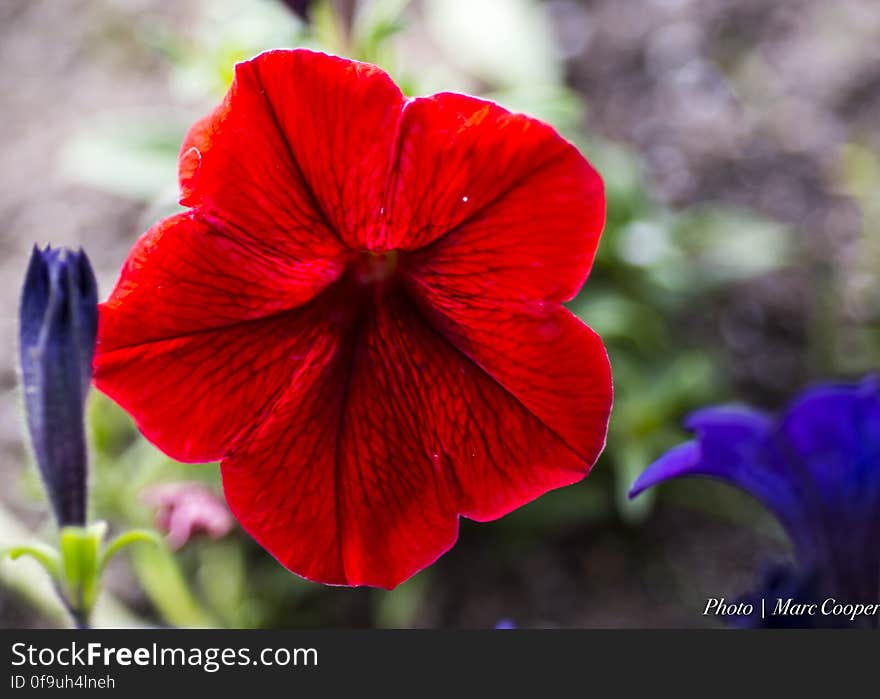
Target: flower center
{"points": [[371, 267]]}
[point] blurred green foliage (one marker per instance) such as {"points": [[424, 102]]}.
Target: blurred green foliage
{"points": [[655, 280]]}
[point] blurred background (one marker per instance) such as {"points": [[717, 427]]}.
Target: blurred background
{"points": [[739, 144]]}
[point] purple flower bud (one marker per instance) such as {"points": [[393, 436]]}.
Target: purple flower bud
{"points": [[58, 326]]}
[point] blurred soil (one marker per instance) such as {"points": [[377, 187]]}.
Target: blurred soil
{"points": [[750, 103]]}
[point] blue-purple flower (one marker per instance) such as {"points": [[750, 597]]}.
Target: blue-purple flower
{"points": [[816, 468], [58, 325]]}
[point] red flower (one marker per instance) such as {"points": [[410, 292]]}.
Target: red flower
{"points": [[360, 314]]}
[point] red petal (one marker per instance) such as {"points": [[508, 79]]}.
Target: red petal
{"points": [[332, 122], [238, 165], [556, 366], [359, 474], [508, 203], [183, 276], [196, 339], [197, 395]]}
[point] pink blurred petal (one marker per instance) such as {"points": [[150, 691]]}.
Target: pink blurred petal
{"points": [[186, 509]]}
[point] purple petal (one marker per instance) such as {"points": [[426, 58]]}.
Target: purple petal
{"points": [[830, 442], [729, 446], [817, 469], [683, 460]]}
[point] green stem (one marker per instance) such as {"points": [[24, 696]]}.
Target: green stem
{"points": [[28, 580]]}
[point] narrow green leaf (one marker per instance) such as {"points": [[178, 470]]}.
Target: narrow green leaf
{"points": [[42, 553], [128, 538]]}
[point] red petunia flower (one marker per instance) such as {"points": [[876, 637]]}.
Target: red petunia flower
{"points": [[360, 315]]}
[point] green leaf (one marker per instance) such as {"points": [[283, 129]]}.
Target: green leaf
{"points": [[45, 555], [397, 609], [505, 44], [163, 581], [125, 156], [80, 565], [128, 538], [632, 459]]}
